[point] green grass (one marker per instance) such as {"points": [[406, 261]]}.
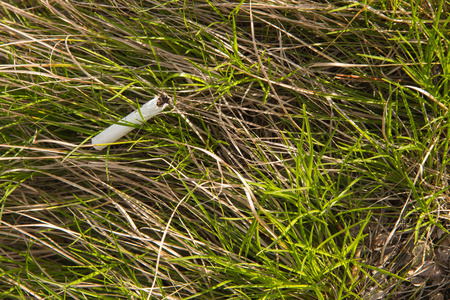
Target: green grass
{"points": [[305, 154]]}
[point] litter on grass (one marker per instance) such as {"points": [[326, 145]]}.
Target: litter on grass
{"points": [[139, 116]]}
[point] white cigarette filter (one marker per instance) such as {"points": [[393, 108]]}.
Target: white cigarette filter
{"points": [[116, 131]]}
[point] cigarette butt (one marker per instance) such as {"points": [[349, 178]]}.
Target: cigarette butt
{"points": [[116, 131]]}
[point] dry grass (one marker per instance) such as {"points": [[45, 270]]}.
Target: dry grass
{"points": [[305, 155]]}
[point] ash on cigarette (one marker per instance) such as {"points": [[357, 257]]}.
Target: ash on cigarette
{"points": [[162, 99]]}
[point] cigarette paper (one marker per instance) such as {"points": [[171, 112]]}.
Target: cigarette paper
{"points": [[116, 131]]}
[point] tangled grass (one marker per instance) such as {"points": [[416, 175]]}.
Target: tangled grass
{"points": [[305, 154]]}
